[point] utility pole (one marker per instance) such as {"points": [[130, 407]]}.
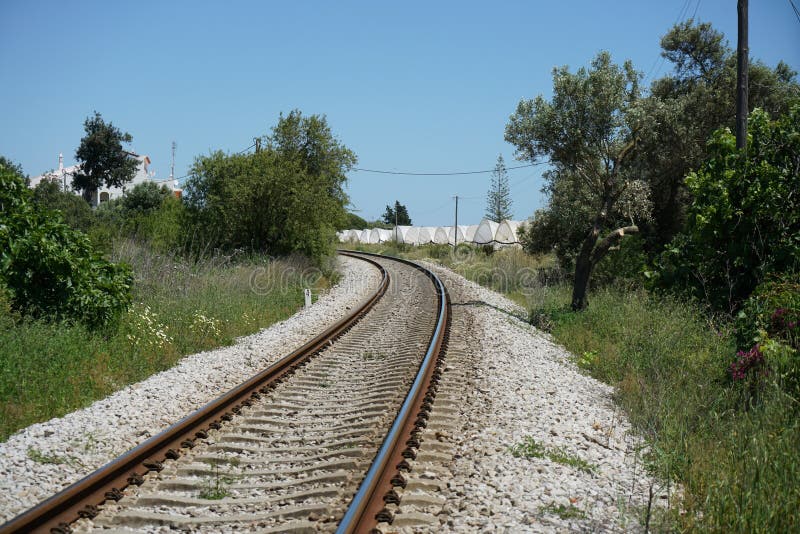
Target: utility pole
{"points": [[455, 227], [257, 142], [742, 54], [172, 167], [396, 205]]}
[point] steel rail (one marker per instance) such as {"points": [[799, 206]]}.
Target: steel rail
{"points": [[368, 506], [82, 498]]}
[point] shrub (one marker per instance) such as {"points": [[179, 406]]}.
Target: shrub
{"points": [[145, 197], [769, 323], [50, 269], [744, 221]]}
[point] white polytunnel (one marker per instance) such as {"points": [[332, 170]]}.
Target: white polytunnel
{"points": [[411, 235], [425, 235], [350, 235], [399, 233], [485, 232], [379, 235], [440, 235], [385, 235], [459, 231], [507, 232], [470, 233]]}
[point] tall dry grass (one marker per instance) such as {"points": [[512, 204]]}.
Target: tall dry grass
{"points": [[180, 307]]}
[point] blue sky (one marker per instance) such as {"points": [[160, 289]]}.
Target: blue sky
{"points": [[411, 86]]}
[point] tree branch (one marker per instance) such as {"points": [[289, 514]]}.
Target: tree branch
{"points": [[602, 247]]}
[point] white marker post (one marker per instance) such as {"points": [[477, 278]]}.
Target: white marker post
{"points": [[307, 294]]}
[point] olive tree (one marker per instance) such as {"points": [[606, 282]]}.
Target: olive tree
{"points": [[588, 133]]}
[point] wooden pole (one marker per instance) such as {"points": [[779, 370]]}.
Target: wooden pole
{"points": [[455, 227], [742, 54]]}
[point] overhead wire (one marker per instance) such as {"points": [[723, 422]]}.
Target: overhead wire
{"points": [[796, 11], [453, 173], [681, 17]]}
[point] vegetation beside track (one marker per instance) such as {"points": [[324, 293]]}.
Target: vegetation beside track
{"points": [[52, 368], [730, 445], [94, 299]]}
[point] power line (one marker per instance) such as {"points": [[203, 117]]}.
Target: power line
{"points": [[454, 173], [681, 16], [236, 153], [794, 8]]}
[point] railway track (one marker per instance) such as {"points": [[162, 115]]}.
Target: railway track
{"points": [[319, 442]]}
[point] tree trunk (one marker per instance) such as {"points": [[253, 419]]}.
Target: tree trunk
{"points": [[591, 254], [583, 269]]}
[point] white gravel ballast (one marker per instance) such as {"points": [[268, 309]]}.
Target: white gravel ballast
{"points": [[577, 468], [543, 447], [44, 458]]}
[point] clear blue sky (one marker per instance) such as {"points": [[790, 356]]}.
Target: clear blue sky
{"points": [[411, 86]]}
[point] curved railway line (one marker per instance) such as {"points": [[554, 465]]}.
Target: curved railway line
{"points": [[321, 441]]}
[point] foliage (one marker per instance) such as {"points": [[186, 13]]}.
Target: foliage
{"points": [[52, 270], [52, 368], [737, 467], [353, 222], [498, 199], [76, 212], [397, 215], [102, 159], [685, 107], [587, 130], [774, 309], [145, 197], [10, 166], [770, 322], [286, 198], [744, 220]]}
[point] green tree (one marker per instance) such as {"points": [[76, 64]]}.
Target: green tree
{"points": [[288, 197], [744, 220], [102, 159], [685, 107], [498, 199], [587, 130], [145, 197], [50, 269], [397, 215], [48, 195], [354, 222]]}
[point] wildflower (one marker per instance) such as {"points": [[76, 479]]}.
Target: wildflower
{"points": [[747, 361]]}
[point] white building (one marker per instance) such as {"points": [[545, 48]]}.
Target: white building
{"points": [[64, 176]]}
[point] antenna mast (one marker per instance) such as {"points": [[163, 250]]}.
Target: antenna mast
{"points": [[172, 168]]}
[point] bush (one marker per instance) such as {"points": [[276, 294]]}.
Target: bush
{"points": [[145, 197], [769, 324], [50, 269], [76, 211], [288, 197], [744, 221]]}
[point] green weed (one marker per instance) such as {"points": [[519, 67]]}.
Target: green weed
{"points": [[41, 458], [530, 448], [564, 512]]}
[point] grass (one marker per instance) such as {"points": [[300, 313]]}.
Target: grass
{"points": [[41, 458], [217, 486], [529, 448], [735, 459], [180, 308], [734, 455], [564, 512]]}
